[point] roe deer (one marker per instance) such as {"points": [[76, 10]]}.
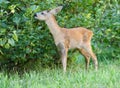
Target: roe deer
{"points": [[66, 39]]}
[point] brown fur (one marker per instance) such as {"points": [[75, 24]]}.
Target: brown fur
{"points": [[66, 39]]}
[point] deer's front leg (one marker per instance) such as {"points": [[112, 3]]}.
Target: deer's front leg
{"points": [[63, 54]]}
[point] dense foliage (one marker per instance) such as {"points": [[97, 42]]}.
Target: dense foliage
{"points": [[23, 38]]}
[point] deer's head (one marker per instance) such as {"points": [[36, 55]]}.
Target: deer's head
{"points": [[44, 15]]}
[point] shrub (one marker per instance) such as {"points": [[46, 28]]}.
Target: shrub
{"points": [[23, 38]]}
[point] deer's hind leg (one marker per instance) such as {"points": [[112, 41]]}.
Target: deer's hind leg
{"points": [[87, 57], [88, 49], [63, 55]]}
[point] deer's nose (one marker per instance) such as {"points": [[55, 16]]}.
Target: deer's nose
{"points": [[35, 15]]}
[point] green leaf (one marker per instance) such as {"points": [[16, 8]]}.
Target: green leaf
{"points": [[1, 52], [16, 20], [4, 1], [28, 50], [2, 42], [11, 42], [7, 45], [33, 7], [15, 37]]}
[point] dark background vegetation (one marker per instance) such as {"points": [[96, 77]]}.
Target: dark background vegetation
{"points": [[24, 39]]}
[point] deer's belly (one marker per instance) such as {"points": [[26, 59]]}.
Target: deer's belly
{"points": [[75, 44]]}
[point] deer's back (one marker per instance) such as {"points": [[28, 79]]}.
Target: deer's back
{"points": [[76, 37]]}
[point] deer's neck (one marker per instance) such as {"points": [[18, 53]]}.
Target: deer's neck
{"points": [[53, 26]]}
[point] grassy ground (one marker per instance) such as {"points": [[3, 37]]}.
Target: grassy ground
{"points": [[108, 76]]}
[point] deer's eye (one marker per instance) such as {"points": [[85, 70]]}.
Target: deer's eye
{"points": [[42, 13]]}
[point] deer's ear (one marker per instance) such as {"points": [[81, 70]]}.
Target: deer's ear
{"points": [[56, 10]]}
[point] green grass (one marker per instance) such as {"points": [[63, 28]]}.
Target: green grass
{"points": [[108, 76]]}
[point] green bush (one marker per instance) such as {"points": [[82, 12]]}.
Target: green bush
{"points": [[23, 38]]}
